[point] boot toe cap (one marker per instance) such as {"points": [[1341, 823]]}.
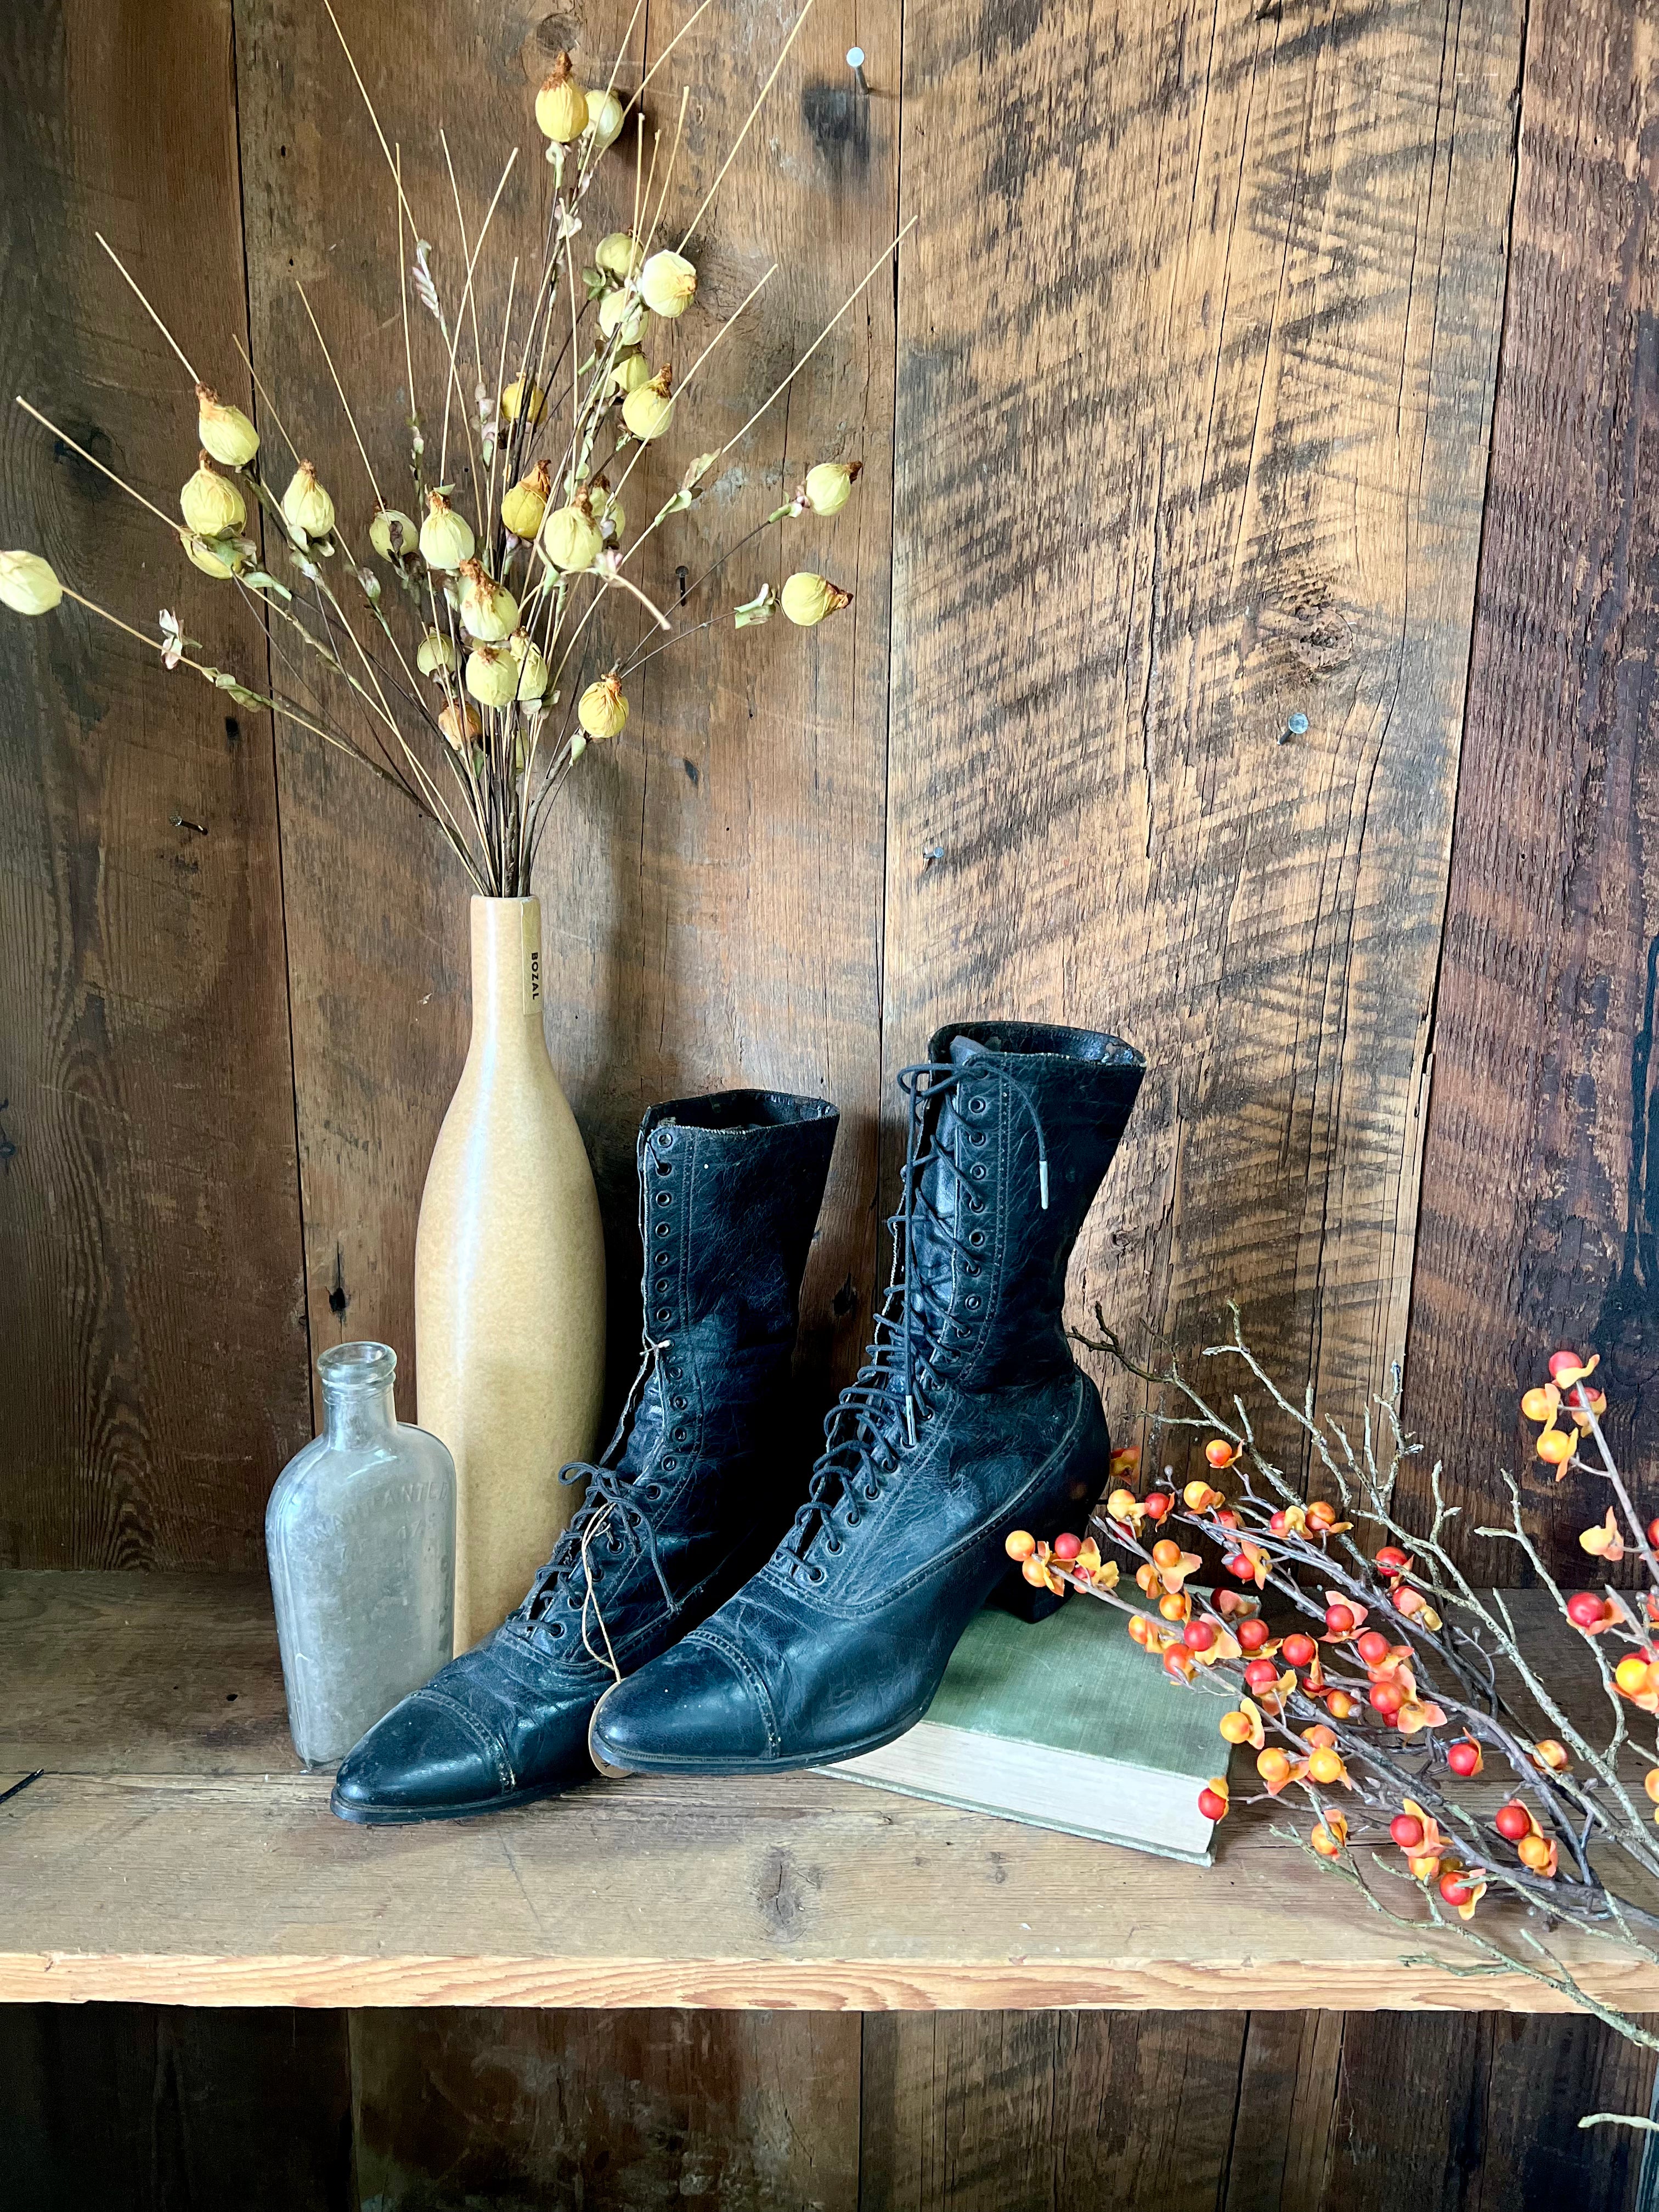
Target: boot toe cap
{"points": [[691, 1710], [422, 1761]]}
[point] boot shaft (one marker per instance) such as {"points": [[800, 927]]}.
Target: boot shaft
{"points": [[730, 1187], [1016, 1128]]}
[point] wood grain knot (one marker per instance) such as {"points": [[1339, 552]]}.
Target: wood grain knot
{"points": [[1304, 628]]}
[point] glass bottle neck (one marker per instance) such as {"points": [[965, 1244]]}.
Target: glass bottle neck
{"points": [[358, 1413]]}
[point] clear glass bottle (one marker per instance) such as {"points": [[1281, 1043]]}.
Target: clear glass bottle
{"points": [[359, 1534]]}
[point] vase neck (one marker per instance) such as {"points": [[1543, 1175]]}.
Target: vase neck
{"points": [[358, 1406], [507, 974]]}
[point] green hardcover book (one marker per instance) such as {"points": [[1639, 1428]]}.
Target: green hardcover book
{"points": [[1062, 1723]]}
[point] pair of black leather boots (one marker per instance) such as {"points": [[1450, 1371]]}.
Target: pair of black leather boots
{"points": [[684, 1625]]}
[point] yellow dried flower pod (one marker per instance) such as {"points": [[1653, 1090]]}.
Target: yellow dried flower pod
{"points": [[602, 710], [491, 676], [621, 316], [28, 585], [447, 537], [435, 654], [489, 610], [524, 396], [533, 673], [668, 284], [630, 370], [392, 533], [620, 254], [830, 485], [524, 506], [460, 724], [570, 538], [648, 410], [306, 507], [605, 118], [210, 504], [224, 432], [807, 599], [218, 557], [562, 105]]}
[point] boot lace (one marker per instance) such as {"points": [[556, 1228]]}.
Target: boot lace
{"points": [[612, 1514], [877, 1417]]}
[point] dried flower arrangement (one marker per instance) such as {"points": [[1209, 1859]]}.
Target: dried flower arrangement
{"points": [[1385, 1679], [477, 699]]}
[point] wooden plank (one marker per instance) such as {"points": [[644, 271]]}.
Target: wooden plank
{"points": [[607, 2111], [683, 885], [205, 1869], [158, 2109], [1047, 2112], [153, 1355], [1286, 2100], [185, 1678], [1539, 1177], [1542, 2077], [1224, 467]]}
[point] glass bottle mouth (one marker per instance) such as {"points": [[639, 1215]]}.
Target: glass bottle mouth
{"points": [[357, 1366]]}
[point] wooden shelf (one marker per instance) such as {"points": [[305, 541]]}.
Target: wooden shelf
{"points": [[161, 1843]]}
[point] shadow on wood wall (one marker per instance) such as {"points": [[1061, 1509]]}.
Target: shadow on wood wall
{"points": [[1281, 360]]}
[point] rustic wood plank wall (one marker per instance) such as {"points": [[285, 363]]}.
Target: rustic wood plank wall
{"points": [[1191, 369], [164, 2111]]}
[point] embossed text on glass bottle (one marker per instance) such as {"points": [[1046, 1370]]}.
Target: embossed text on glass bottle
{"points": [[359, 1533]]}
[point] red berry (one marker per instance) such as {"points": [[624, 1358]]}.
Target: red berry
{"points": [[1237, 1564], [1372, 1647], [1455, 1888], [1277, 1523], [1219, 1452], [1560, 1361], [1067, 1546], [1339, 1620], [1300, 1651], [1225, 1517], [1463, 1758], [1156, 1504], [1198, 1636], [1513, 1822], [1390, 1560], [1585, 1608], [1213, 1808], [1653, 1534], [1176, 1662], [1407, 1830], [1261, 1673], [1386, 1698], [1252, 1635]]}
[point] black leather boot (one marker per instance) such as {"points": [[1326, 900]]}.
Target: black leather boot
{"points": [[969, 1418], [686, 1501]]}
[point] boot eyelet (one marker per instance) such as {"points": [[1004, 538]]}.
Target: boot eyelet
{"points": [[832, 1544], [669, 1464], [872, 1491], [680, 1435], [972, 1305], [664, 1167], [976, 1136], [662, 1313], [977, 1206], [977, 1170], [678, 1404], [976, 1237], [663, 1226], [555, 1628], [852, 1519], [976, 1105], [817, 1573], [665, 1198]]}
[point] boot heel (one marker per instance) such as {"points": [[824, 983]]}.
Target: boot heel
{"points": [[1013, 1594]]}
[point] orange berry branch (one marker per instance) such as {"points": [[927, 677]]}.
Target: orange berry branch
{"points": [[1364, 1672]]}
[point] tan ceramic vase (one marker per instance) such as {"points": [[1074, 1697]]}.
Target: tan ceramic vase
{"points": [[509, 1282]]}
